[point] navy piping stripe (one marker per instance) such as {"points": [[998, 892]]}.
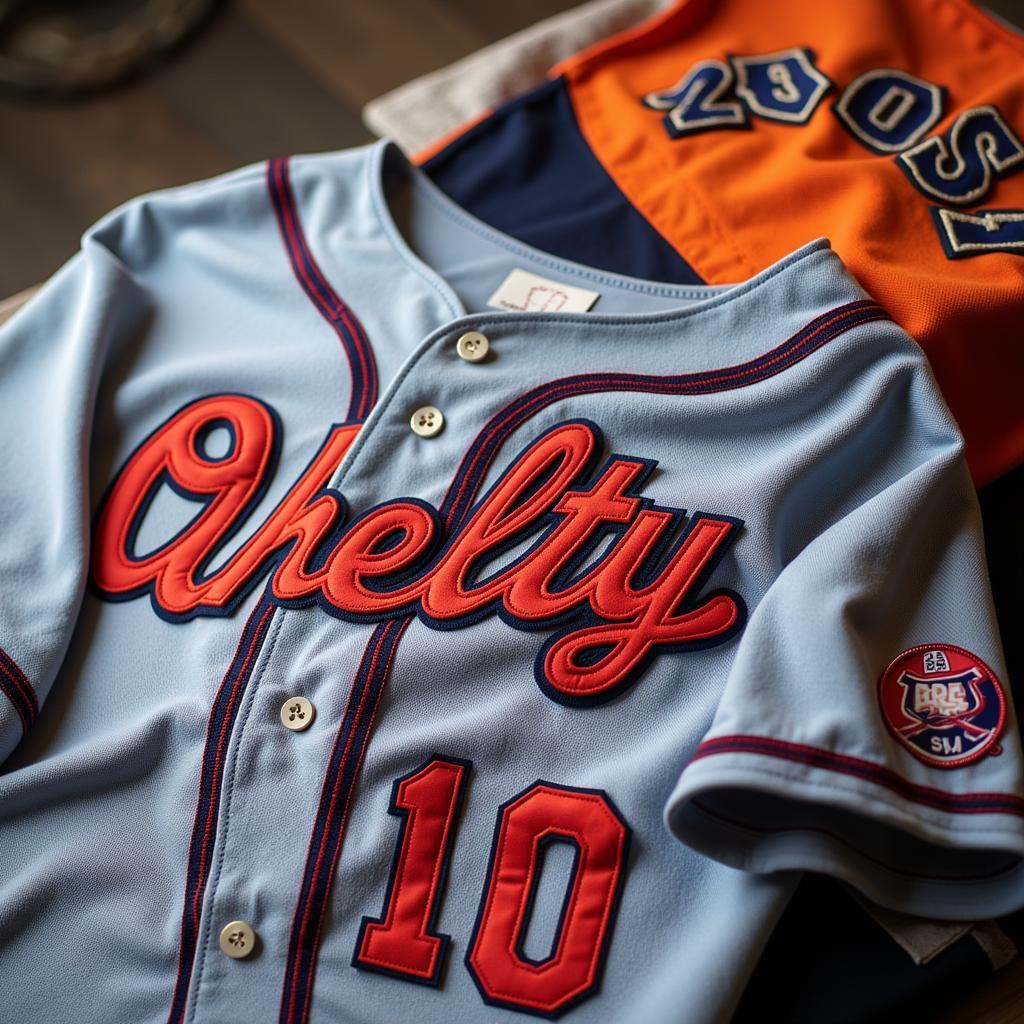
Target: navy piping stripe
{"points": [[19, 691], [219, 728], [811, 337], [325, 842], [363, 397], [328, 303], [354, 732], [953, 803]]}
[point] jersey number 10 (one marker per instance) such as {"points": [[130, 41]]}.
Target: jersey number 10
{"points": [[403, 941]]}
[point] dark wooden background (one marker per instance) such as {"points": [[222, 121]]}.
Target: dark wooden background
{"points": [[265, 78]]}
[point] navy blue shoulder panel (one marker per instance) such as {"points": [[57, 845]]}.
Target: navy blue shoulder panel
{"points": [[527, 170]]}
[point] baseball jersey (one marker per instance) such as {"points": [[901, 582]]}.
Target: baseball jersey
{"points": [[403, 623], [894, 129]]}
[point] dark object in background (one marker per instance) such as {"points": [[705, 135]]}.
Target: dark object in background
{"points": [[829, 961], [59, 48]]}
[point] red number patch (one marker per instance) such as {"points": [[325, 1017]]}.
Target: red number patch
{"points": [[402, 941], [544, 813]]}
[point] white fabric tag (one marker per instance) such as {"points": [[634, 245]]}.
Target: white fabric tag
{"points": [[523, 291], [921, 938]]}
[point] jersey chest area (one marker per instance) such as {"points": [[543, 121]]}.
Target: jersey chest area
{"points": [[465, 652]]}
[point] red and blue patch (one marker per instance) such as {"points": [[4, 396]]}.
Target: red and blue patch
{"points": [[944, 704]]}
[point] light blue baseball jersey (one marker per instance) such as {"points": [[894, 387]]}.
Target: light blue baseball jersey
{"points": [[373, 654]]}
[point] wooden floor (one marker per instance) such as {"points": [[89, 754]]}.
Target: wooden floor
{"points": [[999, 1002], [265, 78]]}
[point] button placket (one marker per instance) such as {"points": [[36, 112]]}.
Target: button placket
{"points": [[431, 373], [427, 379], [230, 879]]}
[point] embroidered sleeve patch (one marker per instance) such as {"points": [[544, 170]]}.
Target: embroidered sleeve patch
{"points": [[944, 704]]}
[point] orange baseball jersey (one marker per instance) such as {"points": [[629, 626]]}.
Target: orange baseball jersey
{"points": [[893, 127]]}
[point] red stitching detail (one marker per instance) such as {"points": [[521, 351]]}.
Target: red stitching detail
{"points": [[295, 236], [344, 821], [334, 792], [189, 911], [20, 684], [276, 171], [885, 777], [18, 710], [356, 329], [326, 829], [18, 679], [655, 387], [218, 760], [295, 241]]}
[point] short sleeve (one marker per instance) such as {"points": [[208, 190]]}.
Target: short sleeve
{"points": [[865, 729]]}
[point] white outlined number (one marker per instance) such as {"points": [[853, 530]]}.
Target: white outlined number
{"points": [[784, 86], [888, 110], [695, 103], [959, 166]]}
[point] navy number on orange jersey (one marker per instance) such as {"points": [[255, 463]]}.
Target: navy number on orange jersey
{"points": [[960, 166], [695, 102], [888, 111]]}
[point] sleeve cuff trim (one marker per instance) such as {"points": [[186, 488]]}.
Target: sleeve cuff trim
{"points": [[955, 803]]}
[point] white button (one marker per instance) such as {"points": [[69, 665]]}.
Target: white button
{"points": [[427, 421], [297, 714], [237, 940], [473, 346]]}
